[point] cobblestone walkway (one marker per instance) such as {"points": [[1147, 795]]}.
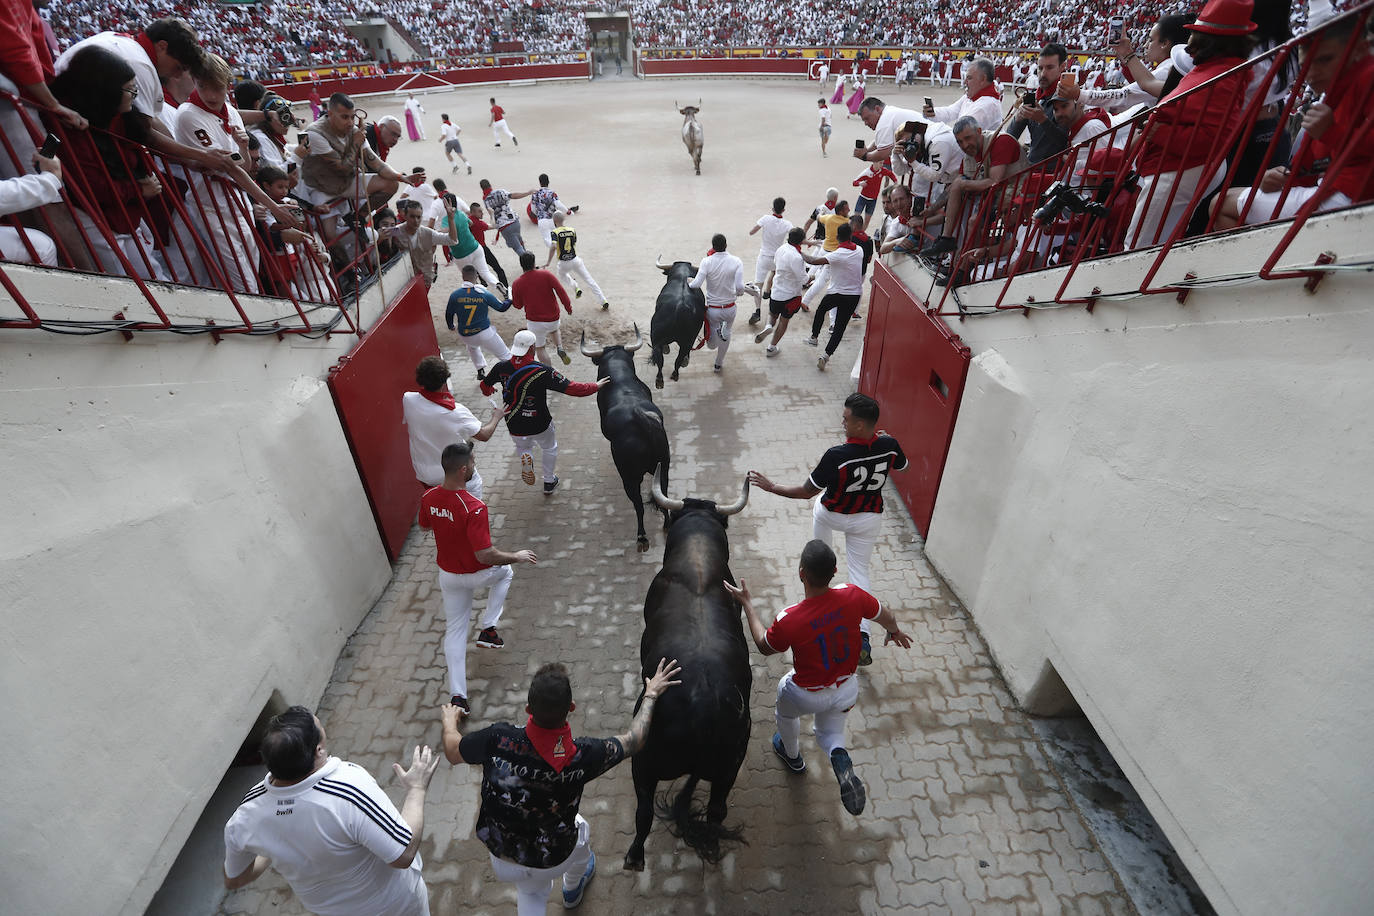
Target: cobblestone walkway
{"points": [[965, 814]]}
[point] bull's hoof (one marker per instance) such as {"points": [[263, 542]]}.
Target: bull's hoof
{"points": [[634, 862], [643, 544], [658, 382], [673, 376]]}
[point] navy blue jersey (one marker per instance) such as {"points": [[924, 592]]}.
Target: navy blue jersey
{"points": [[851, 476]]}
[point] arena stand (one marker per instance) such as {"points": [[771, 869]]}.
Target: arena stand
{"points": [[1004, 234]]}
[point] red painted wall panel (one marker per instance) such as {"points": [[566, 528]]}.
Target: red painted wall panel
{"points": [[916, 370], [793, 66], [367, 385], [434, 79]]}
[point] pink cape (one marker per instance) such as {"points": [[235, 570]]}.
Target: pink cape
{"points": [[411, 126]]}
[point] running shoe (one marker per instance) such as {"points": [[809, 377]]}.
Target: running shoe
{"points": [[821, 361], [578, 293], [865, 651], [573, 897], [563, 355], [527, 469], [810, 341], [771, 351], [762, 335], [795, 764], [490, 639], [461, 702], [852, 794], [550, 486]]}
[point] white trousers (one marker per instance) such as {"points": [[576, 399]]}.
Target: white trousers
{"points": [[860, 530], [548, 448], [818, 286], [532, 885], [1156, 221], [216, 212], [501, 127], [546, 228], [478, 261], [721, 321], [829, 705], [575, 273], [12, 246], [762, 268], [488, 340], [458, 590]]}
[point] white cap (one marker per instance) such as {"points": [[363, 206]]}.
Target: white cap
{"points": [[522, 343]]}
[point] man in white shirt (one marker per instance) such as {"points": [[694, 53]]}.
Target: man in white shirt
{"points": [[435, 420], [885, 121], [721, 279], [845, 265], [27, 192], [979, 101], [775, 230], [449, 138], [785, 299], [327, 827], [825, 128]]}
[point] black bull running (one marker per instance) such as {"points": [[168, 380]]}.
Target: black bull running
{"points": [[631, 423], [701, 729], [679, 316]]}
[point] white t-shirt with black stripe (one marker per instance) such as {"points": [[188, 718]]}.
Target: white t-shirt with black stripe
{"points": [[331, 836]]}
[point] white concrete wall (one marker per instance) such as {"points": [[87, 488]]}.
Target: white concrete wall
{"points": [[184, 532], [1172, 504]]}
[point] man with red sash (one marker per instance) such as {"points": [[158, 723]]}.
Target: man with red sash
{"points": [[822, 630], [532, 782]]}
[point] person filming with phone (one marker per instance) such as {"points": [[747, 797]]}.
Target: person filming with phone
{"points": [[1047, 137]]}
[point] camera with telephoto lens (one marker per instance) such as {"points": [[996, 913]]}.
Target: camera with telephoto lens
{"points": [[279, 109], [1060, 197]]}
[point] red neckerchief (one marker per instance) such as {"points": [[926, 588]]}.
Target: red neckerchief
{"points": [[798, 247], [222, 114], [860, 236], [709, 252], [442, 398], [146, 44], [168, 98], [830, 205], [521, 361], [855, 440], [555, 745], [1045, 93], [847, 245], [988, 90], [1090, 114]]}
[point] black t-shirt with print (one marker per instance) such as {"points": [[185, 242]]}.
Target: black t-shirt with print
{"points": [[529, 810]]}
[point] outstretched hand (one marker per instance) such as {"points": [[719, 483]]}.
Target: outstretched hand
{"points": [[757, 479], [663, 678], [740, 592], [423, 762]]}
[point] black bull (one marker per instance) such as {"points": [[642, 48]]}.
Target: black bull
{"points": [[631, 423], [679, 316], [700, 729]]}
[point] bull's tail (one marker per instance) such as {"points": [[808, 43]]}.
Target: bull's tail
{"points": [[688, 822]]}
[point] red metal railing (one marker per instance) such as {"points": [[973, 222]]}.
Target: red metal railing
{"points": [[200, 230], [1002, 238]]}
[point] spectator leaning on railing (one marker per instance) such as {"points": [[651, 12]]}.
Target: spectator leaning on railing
{"points": [[979, 101], [990, 157], [1185, 130]]}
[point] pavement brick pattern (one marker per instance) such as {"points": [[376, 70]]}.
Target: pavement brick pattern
{"points": [[965, 814]]}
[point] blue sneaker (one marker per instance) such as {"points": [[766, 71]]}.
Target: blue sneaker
{"points": [[795, 764], [852, 794], [573, 898]]}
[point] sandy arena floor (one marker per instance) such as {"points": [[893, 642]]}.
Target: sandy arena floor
{"points": [[965, 814]]}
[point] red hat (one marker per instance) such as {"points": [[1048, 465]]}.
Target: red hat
{"points": [[1225, 17], [1103, 162]]}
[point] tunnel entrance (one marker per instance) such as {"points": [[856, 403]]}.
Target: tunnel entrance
{"points": [[195, 884]]}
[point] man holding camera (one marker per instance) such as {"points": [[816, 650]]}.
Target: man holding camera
{"points": [[1036, 111]]}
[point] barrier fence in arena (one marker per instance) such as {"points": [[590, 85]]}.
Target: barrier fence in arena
{"points": [[129, 212], [1091, 201], [364, 385], [916, 368]]}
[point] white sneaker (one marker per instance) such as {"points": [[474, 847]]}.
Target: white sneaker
{"points": [[762, 335], [717, 369], [771, 351], [820, 363], [810, 341]]}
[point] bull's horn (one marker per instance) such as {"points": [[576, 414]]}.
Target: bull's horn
{"points": [[639, 340], [737, 504], [658, 262], [663, 502], [592, 354]]}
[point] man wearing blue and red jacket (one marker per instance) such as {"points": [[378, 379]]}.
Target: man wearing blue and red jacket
{"points": [[525, 384]]}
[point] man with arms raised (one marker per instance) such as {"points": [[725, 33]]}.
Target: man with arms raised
{"points": [[532, 781], [822, 631], [327, 827]]}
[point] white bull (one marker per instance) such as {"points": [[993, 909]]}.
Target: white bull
{"points": [[693, 137]]}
